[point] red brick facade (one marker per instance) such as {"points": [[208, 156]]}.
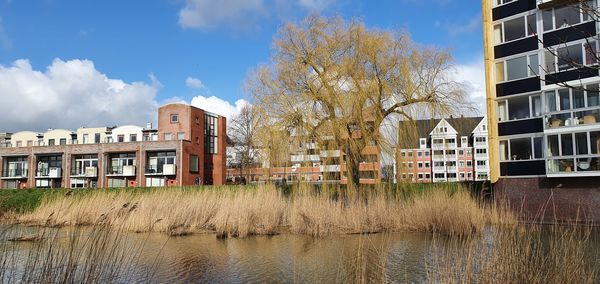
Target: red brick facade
{"points": [[184, 136]]}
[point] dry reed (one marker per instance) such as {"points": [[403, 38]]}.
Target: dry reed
{"points": [[265, 210]]}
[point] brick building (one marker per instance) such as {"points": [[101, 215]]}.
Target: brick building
{"points": [[442, 150], [187, 148]]}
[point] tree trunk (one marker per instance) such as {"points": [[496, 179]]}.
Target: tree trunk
{"points": [[352, 168]]}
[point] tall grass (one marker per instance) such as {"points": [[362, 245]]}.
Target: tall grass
{"points": [[99, 253], [518, 254], [230, 211]]}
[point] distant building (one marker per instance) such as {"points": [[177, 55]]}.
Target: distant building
{"points": [[442, 150], [188, 148]]}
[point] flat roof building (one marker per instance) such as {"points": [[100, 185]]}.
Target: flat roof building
{"points": [[188, 148], [543, 102]]}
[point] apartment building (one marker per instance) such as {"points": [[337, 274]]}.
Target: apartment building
{"points": [[543, 103], [187, 148], [313, 163], [442, 150], [541, 126]]}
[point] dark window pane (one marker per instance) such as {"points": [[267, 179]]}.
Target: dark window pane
{"points": [[567, 144], [514, 29], [520, 149], [581, 143]]}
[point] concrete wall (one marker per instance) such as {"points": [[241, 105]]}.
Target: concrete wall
{"points": [[127, 131], [23, 137], [56, 135]]}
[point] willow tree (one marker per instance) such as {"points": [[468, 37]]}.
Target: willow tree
{"points": [[338, 82]]}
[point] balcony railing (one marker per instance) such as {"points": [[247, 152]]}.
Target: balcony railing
{"points": [[49, 173], [84, 172], [481, 156], [166, 169], [121, 171], [572, 118], [12, 173]]}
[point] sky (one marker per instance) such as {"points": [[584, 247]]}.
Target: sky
{"points": [[74, 63]]}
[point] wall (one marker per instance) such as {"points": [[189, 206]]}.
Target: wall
{"points": [[23, 136], [127, 131], [551, 200]]}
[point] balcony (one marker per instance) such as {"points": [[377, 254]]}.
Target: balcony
{"points": [[305, 158], [580, 118], [482, 167], [163, 170], [439, 169], [125, 171], [88, 172], [330, 168], [452, 168], [588, 165], [14, 173], [479, 156], [480, 145], [330, 153], [49, 173]]}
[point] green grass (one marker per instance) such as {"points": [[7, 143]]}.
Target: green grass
{"points": [[23, 200]]}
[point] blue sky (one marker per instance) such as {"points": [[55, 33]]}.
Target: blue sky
{"points": [[188, 50]]}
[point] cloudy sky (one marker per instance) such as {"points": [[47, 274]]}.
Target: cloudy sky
{"points": [[72, 63]]}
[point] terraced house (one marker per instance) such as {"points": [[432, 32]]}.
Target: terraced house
{"points": [[187, 148], [543, 102]]}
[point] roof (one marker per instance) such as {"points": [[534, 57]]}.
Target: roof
{"points": [[409, 132]]}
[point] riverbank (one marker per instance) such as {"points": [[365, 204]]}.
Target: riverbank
{"points": [[232, 211]]}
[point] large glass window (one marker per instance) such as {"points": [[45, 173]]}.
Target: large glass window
{"points": [[537, 147], [520, 149], [553, 146], [210, 134], [566, 141], [569, 57], [514, 29], [518, 107], [593, 96], [566, 16], [516, 68], [564, 99], [581, 143]]}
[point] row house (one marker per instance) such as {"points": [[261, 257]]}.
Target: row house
{"points": [[442, 150], [187, 148]]}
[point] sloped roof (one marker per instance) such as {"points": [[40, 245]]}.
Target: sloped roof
{"points": [[409, 132]]}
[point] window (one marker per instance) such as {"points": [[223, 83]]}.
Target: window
{"points": [[563, 57], [520, 149], [174, 118], [422, 142], [581, 143], [469, 164], [427, 165], [210, 134], [168, 136], [420, 176], [537, 147], [481, 163], [566, 142], [563, 17], [480, 139], [86, 138], [517, 68], [427, 176], [194, 163], [197, 120], [420, 154], [500, 2], [19, 143], [461, 164], [481, 151], [521, 107], [133, 137], [427, 154], [97, 138], [120, 138], [420, 165], [461, 152], [410, 154], [181, 136], [63, 141], [463, 141], [515, 29], [553, 150], [51, 142]]}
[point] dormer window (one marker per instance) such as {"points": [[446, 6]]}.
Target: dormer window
{"points": [[422, 143]]}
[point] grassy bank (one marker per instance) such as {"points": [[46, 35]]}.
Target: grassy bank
{"points": [[260, 210]]}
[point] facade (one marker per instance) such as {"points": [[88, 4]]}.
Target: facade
{"points": [[543, 105], [187, 148], [443, 150], [313, 163]]}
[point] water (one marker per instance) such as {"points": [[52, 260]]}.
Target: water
{"points": [[154, 257]]}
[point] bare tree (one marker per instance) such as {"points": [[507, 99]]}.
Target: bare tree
{"points": [[338, 81], [243, 132]]}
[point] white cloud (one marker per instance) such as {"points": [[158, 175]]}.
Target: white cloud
{"points": [[5, 41], [472, 76], [240, 14], [219, 106], [71, 94], [194, 83]]}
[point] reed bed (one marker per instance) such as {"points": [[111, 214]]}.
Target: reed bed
{"points": [[518, 254], [263, 210]]}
